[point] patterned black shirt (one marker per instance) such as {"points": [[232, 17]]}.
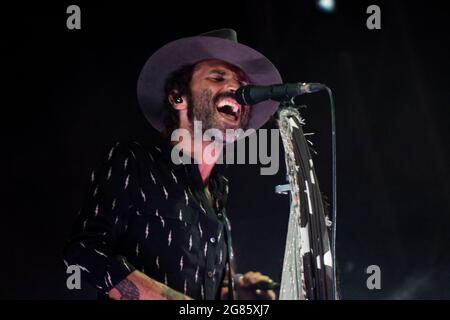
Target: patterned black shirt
{"points": [[143, 212]]}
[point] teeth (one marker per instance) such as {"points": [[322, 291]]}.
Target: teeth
{"points": [[234, 105]]}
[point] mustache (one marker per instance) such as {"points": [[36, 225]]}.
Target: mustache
{"points": [[223, 95]]}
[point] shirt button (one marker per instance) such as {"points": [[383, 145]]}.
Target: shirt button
{"points": [[210, 274], [212, 240]]}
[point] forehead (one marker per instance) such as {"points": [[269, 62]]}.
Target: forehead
{"points": [[208, 66]]}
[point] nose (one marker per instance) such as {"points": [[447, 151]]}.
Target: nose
{"points": [[233, 85]]}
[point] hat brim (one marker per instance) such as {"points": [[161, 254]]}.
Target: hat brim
{"points": [[186, 51]]}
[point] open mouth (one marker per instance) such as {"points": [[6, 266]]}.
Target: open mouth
{"points": [[229, 109]]}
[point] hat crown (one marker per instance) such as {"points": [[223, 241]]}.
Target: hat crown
{"points": [[225, 33]]}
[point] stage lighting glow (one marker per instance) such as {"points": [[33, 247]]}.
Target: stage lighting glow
{"points": [[326, 5]]}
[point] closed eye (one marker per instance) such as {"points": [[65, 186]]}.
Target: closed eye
{"points": [[217, 79]]}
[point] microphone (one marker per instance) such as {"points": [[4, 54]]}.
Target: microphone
{"points": [[250, 94]]}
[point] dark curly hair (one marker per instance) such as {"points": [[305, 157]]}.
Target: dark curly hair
{"points": [[179, 81]]}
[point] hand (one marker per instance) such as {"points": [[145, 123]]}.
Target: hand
{"points": [[244, 292]]}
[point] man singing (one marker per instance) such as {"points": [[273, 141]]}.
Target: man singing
{"points": [[155, 228]]}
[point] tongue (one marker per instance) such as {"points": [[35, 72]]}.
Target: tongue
{"points": [[228, 116]]}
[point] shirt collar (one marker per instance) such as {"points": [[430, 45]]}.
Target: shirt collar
{"points": [[163, 147]]}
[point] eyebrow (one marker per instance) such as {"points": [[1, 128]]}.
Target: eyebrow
{"points": [[221, 72], [239, 76]]}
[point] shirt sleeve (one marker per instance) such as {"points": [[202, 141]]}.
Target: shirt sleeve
{"points": [[110, 199]]}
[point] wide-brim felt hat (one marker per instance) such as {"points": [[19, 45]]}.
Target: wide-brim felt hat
{"points": [[219, 44]]}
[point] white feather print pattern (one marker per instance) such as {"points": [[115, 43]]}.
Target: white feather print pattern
{"points": [[157, 262], [109, 284], [190, 242], [126, 181], [109, 174], [143, 196], [111, 153], [196, 274], [137, 249], [180, 216], [153, 178], [169, 239], [165, 280], [125, 164], [200, 229], [126, 266], [173, 176], [92, 176], [162, 221], [101, 253], [113, 204], [181, 263], [203, 209], [83, 268], [146, 231], [96, 210], [165, 192], [186, 198], [205, 249], [185, 286], [95, 191]]}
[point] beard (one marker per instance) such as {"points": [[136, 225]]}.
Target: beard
{"points": [[203, 110], [203, 106]]}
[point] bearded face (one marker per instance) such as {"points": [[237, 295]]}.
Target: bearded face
{"points": [[219, 112], [212, 101]]}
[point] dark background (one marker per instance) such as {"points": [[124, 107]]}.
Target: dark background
{"points": [[68, 94]]}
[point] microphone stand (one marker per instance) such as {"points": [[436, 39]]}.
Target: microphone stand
{"points": [[309, 267]]}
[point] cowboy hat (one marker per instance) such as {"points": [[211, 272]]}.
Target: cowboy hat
{"points": [[219, 44]]}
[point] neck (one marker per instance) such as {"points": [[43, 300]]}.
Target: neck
{"points": [[205, 171], [205, 153]]}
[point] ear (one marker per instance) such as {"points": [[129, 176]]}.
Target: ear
{"points": [[178, 105]]}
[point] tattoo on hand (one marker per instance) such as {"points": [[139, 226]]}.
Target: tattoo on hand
{"points": [[128, 290]]}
